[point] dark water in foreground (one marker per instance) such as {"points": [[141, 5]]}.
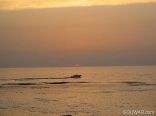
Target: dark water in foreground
{"points": [[101, 91]]}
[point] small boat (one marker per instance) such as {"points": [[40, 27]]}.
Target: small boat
{"points": [[76, 76]]}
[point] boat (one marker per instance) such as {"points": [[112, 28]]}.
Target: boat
{"points": [[76, 76]]}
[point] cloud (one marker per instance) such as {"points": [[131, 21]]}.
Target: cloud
{"points": [[27, 4]]}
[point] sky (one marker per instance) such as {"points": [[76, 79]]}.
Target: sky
{"points": [[25, 4], [105, 35]]}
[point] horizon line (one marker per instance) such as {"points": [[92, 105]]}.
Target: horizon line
{"points": [[78, 66]]}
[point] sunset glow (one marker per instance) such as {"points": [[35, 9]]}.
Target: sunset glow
{"points": [[77, 57], [29, 4], [69, 32]]}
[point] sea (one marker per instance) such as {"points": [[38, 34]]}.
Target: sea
{"points": [[100, 91]]}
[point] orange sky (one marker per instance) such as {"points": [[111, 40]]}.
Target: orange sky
{"points": [[26, 4], [103, 35]]}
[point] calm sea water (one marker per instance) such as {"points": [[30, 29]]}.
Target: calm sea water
{"points": [[89, 74], [102, 91]]}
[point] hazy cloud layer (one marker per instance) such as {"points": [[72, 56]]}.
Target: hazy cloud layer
{"points": [[25, 4]]}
